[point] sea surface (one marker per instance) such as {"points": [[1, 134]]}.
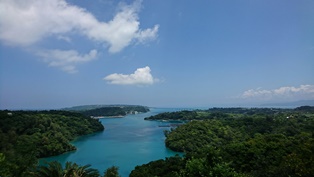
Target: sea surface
{"points": [[126, 142]]}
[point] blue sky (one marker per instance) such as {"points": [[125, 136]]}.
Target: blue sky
{"points": [[57, 53]]}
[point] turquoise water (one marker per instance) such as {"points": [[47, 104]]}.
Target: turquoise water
{"points": [[126, 143]]}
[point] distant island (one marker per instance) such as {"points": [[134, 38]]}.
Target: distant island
{"points": [[99, 111]]}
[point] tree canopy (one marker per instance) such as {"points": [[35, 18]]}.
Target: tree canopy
{"points": [[259, 142], [231, 142], [28, 135], [108, 110]]}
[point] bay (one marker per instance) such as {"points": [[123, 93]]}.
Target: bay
{"points": [[126, 143]]}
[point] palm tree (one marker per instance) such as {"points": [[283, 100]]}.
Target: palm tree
{"points": [[54, 169], [74, 170], [112, 172]]}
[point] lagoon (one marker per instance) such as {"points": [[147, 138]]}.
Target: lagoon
{"points": [[125, 142]]}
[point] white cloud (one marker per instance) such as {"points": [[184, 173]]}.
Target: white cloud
{"points": [[291, 93], [66, 59], [141, 76], [25, 22], [148, 34]]}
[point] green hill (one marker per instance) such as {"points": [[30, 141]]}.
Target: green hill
{"points": [[108, 110]]}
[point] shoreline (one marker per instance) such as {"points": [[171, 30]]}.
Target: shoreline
{"points": [[118, 116], [106, 117]]}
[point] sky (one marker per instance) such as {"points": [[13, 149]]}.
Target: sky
{"points": [[204, 53]]}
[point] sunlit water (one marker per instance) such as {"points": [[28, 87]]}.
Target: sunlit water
{"points": [[126, 143]]}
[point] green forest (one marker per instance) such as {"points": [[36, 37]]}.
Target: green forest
{"points": [[108, 110], [235, 142], [238, 142], [105, 111], [26, 136]]}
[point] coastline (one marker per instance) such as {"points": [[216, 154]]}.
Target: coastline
{"points": [[117, 116], [106, 117], [108, 147], [43, 160]]}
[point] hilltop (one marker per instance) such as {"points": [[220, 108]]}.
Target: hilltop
{"points": [[108, 110]]}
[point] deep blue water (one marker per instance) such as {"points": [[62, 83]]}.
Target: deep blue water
{"points": [[126, 143]]}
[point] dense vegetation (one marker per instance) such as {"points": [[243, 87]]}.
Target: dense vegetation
{"points": [[222, 113], [133, 109], [55, 169], [105, 111], [238, 142], [109, 110], [180, 115], [28, 135], [217, 142]]}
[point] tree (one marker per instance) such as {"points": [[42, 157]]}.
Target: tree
{"points": [[112, 172], [55, 169]]}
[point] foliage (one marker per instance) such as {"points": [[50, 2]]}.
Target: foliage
{"points": [[221, 113], [129, 109], [235, 142], [105, 111], [112, 172], [195, 134], [170, 167], [28, 135], [55, 169], [209, 164], [181, 115], [108, 110], [239, 142]]}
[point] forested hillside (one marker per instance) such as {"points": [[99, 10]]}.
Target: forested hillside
{"points": [[105, 111], [108, 110], [28, 135], [222, 142], [212, 113], [238, 142]]}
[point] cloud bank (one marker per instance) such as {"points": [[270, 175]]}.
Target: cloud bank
{"points": [[288, 93], [141, 76], [24, 23]]}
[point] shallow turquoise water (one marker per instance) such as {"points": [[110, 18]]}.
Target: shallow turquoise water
{"points": [[126, 143]]}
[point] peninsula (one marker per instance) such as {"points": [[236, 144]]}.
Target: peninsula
{"points": [[114, 111]]}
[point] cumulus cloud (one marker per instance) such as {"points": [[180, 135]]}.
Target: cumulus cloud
{"points": [[148, 34], [26, 22], [294, 93], [141, 76], [66, 59]]}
